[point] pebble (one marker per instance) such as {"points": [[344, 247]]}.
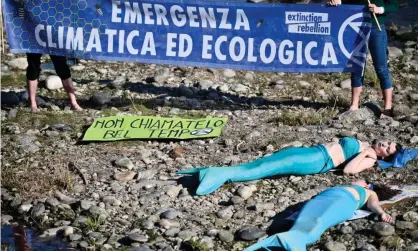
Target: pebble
{"points": [[18, 63], [25, 208], [5, 219], [414, 235], [51, 232], [405, 225], [225, 236], [125, 176], [165, 223], [118, 82], [186, 234], [335, 246], [225, 213], [169, 214], [86, 204], [411, 216], [229, 73], [251, 233], [53, 82], [239, 88], [100, 98], [172, 232], [346, 84], [245, 192], [75, 237], [38, 210], [414, 140], [125, 163], [138, 238], [67, 231], [207, 241], [304, 83], [236, 200], [264, 206], [64, 198], [383, 229]]}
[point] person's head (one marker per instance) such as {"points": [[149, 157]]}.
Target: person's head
{"points": [[385, 148], [363, 183]]}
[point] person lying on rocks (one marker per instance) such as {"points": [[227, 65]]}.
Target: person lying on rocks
{"points": [[348, 153], [329, 208]]}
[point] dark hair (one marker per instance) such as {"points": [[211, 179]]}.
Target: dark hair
{"points": [[385, 192]]}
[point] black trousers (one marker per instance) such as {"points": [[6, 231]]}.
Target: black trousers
{"points": [[34, 66]]}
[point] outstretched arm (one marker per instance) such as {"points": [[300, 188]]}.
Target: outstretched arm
{"points": [[361, 162], [373, 204]]}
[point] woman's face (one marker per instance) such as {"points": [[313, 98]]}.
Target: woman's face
{"points": [[384, 148]]}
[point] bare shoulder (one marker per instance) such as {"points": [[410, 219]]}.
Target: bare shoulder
{"points": [[363, 145]]}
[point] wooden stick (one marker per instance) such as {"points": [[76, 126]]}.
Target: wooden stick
{"points": [[375, 18]]}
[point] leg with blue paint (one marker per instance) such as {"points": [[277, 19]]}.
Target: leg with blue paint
{"points": [[329, 208], [290, 161]]}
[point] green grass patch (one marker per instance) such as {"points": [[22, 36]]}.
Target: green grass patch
{"points": [[94, 222], [14, 80], [302, 118]]}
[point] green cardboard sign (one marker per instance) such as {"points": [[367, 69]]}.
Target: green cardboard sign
{"points": [[148, 127]]}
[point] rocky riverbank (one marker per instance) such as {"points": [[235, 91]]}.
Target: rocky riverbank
{"points": [[126, 195]]}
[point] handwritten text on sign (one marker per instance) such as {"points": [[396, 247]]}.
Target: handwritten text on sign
{"points": [[267, 37], [145, 127]]}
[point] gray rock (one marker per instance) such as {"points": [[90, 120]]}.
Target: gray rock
{"points": [[411, 216], [229, 73], [335, 246], [12, 114], [383, 229], [394, 52], [137, 238], [53, 82], [186, 234], [405, 225], [223, 88], [75, 237], [401, 110], [67, 231], [108, 199], [147, 224], [414, 140], [358, 115], [5, 219], [38, 210], [236, 200], [118, 82], [53, 202], [251, 233], [86, 204], [413, 96], [186, 91], [264, 206], [140, 248], [100, 98], [24, 208], [205, 84], [162, 75], [304, 83], [9, 98], [18, 63], [51, 232], [172, 232], [207, 241], [245, 192], [173, 191], [125, 163], [225, 236], [346, 84], [239, 88], [78, 67], [98, 212], [64, 198], [225, 213], [146, 175], [170, 214], [239, 214], [165, 223], [346, 230]]}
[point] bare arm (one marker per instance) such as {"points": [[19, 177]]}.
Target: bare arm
{"points": [[373, 204], [360, 163]]}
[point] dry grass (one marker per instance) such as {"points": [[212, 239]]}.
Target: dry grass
{"points": [[34, 183]]}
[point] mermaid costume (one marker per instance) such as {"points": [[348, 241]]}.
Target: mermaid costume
{"points": [[329, 208], [289, 161]]}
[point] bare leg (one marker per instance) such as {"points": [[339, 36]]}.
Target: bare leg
{"points": [[69, 88], [387, 97], [355, 98], [32, 86]]}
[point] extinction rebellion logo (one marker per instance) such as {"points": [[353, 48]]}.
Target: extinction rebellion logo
{"points": [[308, 23]]}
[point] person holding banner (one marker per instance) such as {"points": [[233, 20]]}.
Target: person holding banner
{"points": [[63, 71], [378, 42], [329, 208], [355, 156]]}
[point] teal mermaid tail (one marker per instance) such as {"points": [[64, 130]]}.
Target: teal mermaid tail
{"points": [[290, 161], [329, 208]]}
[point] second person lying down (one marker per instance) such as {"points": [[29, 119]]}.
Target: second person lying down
{"points": [[355, 156]]}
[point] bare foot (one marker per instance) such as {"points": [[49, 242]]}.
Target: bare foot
{"points": [[76, 108], [35, 109], [353, 108]]}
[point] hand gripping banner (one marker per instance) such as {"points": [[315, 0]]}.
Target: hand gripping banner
{"points": [[260, 37]]}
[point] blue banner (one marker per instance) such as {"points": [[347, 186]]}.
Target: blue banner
{"points": [[260, 37]]}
